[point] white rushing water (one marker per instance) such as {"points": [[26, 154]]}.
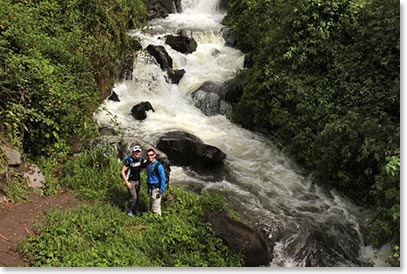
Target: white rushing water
{"points": [[306, 224]]}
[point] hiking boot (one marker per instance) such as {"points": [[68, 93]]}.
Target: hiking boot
{"points": [[130, 214], [138, 213]]}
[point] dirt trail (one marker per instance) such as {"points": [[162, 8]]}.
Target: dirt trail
{"points": [[17, 220]]}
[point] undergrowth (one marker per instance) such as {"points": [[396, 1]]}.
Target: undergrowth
{"points": [[101, 234]]}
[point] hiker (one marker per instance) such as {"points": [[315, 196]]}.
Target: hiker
{"points": [[155, 181], [130, 173]]}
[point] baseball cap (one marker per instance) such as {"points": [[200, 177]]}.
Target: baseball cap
{"points": [[137, 148]]}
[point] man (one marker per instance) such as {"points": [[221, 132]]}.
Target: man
{"points": [[155, 181], [131, 175]]}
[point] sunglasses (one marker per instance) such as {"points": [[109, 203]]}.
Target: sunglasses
{"points": [[150, 155]]}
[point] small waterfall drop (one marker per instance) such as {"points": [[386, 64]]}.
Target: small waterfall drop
{"points": [[198, 6], [305, 224]]}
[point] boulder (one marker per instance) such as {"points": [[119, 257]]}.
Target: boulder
{"points": [[223, 5], [127, 60], [210, 98], [13, 157], [161, 8], [230, 40], [182, 42], [107, 131], [156, 10], [175, 75], [241, 238], [161, 56], [139, 111], [114, 97], [185, 149], [35, 177]]}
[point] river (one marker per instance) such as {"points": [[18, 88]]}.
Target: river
{"points": [[306, 225]]}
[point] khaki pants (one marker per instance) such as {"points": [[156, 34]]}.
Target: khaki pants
{"points": [[155, 203]]}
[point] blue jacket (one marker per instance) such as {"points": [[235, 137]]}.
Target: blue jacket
{"points": [[153, 180]]}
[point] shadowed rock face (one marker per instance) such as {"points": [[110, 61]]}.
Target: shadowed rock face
{"points": [[161, 8], [241, 238], [182, 43], [114, 97], [161, 56], [186, 149], [175, 75], [224, 4]]}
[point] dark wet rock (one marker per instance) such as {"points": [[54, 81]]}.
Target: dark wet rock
{"points": [[241, 238], [186, 149], [182, 42], [228, 36], [161, 8], [114, 97], [223, 5], [139, 111], [175, 75], [161, 56]]}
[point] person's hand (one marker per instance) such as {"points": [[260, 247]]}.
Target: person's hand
{"points": [[128, 185]]}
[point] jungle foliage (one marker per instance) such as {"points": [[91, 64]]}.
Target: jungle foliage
{"points": [[323, 77], [100, 234], [58, 60]]}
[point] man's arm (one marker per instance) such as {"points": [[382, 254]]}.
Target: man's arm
{"points": [[162, 178], [123, 172]]}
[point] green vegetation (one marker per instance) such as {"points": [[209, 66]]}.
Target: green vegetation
{"points": [[323, 79], [101, 234], [94, 175], [58, 60]]}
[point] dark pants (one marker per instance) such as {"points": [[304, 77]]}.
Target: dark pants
{"points": [[133, 205]]}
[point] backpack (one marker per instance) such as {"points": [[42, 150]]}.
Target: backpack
{"points": [[130, 160], [167, 169]]}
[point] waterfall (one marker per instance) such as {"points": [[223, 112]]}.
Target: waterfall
{"points": [[200, 6], [306, 224]]}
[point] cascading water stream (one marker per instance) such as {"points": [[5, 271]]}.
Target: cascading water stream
{"points": [[305, 224]]}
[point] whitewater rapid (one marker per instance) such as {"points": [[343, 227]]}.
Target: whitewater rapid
{"points": [[302, 221]]}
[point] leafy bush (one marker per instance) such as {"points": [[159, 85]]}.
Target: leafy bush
{"points": [[58, 59], [94, 174], [12, 181], [15, 186]]}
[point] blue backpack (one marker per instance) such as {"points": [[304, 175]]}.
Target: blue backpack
{"points": [[167, 169]]}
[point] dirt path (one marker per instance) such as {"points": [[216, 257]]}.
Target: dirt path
{"points": [[17, 220]]}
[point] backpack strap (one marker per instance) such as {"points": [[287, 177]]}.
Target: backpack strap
{"points": [[158, 173]]}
